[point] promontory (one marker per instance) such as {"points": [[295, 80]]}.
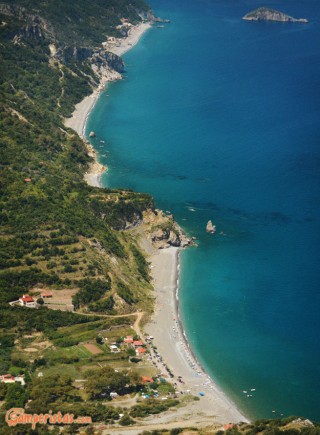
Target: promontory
{"points": [[268, 14]]}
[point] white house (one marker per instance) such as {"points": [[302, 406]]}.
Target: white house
{"points": [[27, 301]]}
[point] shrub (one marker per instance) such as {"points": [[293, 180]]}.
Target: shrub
{"points": [[126, 420]]}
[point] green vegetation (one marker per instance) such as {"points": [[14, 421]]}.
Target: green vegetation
{"points": [[90, 290], [126, 420], [104, 306], [58, 233], [279, 426], [125, 293], [152, 406], [80, 24], [142, 264]]}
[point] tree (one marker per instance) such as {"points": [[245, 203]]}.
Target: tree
{"points": [[126, 420], [3, 390], [16, 396], [40, 301], [100, 383], [99, 339]]}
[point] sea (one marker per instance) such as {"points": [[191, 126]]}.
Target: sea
{"points": [[219, 119]]}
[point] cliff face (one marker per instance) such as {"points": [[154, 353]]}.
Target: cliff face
{"points": [[30, 26], [268, 14], [33, 26], [95, 56]]}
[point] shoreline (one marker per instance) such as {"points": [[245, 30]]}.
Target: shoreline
{"points": [[214, 406], [78, 120], [172, 344]]}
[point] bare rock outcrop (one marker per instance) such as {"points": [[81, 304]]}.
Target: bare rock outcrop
{"points": [[33, 27], [95, 56], [164, 231]]}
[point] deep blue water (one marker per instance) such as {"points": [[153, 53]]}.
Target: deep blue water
{"points": [[219, 119]]}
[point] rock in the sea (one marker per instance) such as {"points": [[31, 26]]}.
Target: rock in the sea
{"points": [[268, 14], [92, 134], [210, 228]]}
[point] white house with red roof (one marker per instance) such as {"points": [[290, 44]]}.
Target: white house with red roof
{"points": [[7, 379], [10, 379], [27, 301]]}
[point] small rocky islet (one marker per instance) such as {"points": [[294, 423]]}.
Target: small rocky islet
{"points": [[268, 14]]}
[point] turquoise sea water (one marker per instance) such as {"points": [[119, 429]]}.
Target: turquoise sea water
{"points": [[219, 119]]}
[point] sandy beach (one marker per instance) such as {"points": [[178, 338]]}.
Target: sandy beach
{"points": [[173, 348], [79, 117], [135, 34], [214, 407]]}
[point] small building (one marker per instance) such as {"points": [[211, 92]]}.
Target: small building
{"points": [[128, 339], [20, 379], [146, 379], [140, 351], [27, 180], [114, 348], [113, 395], [47, 295], [137, 343], [7, 379], [27, 301]]}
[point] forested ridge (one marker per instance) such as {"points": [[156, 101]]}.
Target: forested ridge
{"points": [[58, 233], [55, 229]]}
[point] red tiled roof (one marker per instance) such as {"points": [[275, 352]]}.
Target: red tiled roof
{"points": [[137, 343], [228, 426], [141, 350], [146, 379], [46, 295], [27, 298]]}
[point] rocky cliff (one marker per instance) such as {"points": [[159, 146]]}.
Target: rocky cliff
{"points": [[163, 231], [32, 25], [268, 14], [95, 56]]}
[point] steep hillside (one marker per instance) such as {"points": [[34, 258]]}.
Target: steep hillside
{"points": [[80, 22], [59, 236], [56, 230]]}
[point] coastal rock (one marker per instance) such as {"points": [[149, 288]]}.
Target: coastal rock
{"points": [[210, 228], [165, 232], [92, 134], [151, 17], [268, 14]]}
